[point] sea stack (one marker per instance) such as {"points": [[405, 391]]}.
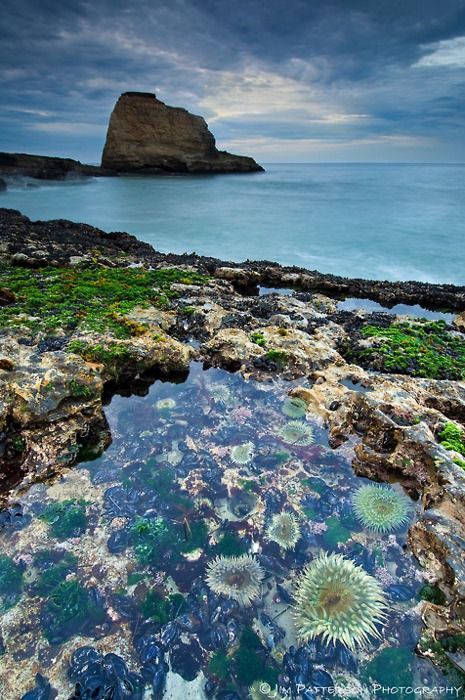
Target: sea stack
{"points": [[147, 136]]}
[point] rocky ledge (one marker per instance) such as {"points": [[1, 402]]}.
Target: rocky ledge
{"points": [[46, 167], [147, 136], [85, 314]]}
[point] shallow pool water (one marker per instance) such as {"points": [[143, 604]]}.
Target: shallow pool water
{"points": [[103, 571], [414, 310]]}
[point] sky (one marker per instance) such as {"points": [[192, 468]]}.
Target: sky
{"points": [[281, 80]]}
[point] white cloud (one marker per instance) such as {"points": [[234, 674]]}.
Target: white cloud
{"points": [[255, 91], [73, 128], [444, 53], [27, 110], [311, 149]]}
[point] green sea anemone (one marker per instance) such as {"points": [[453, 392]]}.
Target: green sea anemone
{"points": [[339, 601], [242, 454], [284, 529], [380, 508], [165, 405], [296, 432], [293, 407], [236, 577], [220, 394]]}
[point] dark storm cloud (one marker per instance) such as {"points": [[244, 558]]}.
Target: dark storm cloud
{"points": [[283, 78]]}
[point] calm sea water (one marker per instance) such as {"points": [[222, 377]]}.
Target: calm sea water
{"points": [[378, 221]]}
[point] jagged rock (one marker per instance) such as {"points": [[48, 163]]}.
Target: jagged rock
{"points": [[146, 135]]}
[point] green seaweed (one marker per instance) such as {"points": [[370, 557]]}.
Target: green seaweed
{"points": [[390, 668], [231, 546], [220, 665], [437, 650], [161, 608], [433, 594], [90, 296], [79, 390], [262, 668], [278, 357], [65, 518], [52, 576], [420, 349], [68, 609], [452, 438], [11, 582], [336, 533], [152, 538], [258, 338], [238, 664], [110, 353]]}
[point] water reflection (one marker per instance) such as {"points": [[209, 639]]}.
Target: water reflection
{"points": [[119, 577]]}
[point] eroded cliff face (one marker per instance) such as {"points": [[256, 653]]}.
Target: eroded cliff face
{"points": [[146, 135]]}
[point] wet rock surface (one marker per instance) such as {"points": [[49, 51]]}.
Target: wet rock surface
{"points": [[388, 427]]}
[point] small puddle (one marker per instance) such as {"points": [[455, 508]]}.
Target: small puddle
{"points": [[414, 310], [111, 557], [283, 291]]}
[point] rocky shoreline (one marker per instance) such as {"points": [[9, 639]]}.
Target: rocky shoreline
{"points": [[386, 385]]}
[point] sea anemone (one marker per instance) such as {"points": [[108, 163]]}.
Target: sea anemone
{"points": [[293, 407], [284, 529], [296, 432], [165, 404], [236, 577], [338, 600], [220, 394], [242, 454], [380, 508]]}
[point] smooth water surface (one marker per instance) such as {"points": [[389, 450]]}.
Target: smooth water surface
{"points": [[110, 558], [378, 221]]}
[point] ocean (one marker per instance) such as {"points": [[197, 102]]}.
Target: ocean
{"points": [[378, 221]]}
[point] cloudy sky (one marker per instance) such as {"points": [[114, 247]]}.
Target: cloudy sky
{"points": [[282, 80]]}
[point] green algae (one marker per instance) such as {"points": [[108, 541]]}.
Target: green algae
{"points": [[65, 518], [390, 668], [336, 533], [91, 297], [220, 665], [230, 546], [11, 582], [258, 338], [51, 577], [420, 349], [161, 608], [238, 664], [250, 647], [433, 594], [452, 438], [278, 357], [68, 609], [152, 538]]}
